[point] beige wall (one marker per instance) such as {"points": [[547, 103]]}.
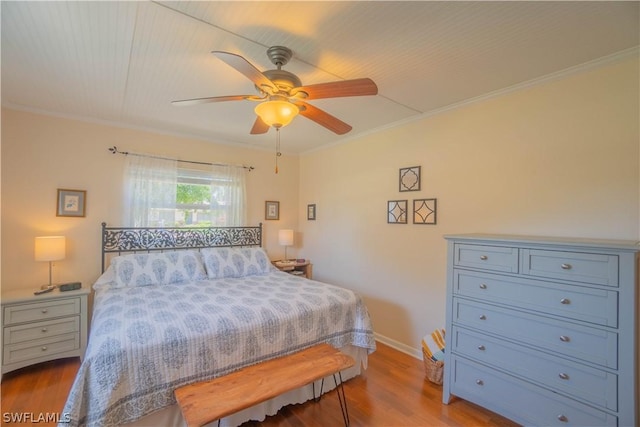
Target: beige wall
{"points": [[42, 153], [560, 159]]}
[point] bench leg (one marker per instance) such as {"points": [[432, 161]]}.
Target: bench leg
{"points": [[342, 398], [313, 387]]}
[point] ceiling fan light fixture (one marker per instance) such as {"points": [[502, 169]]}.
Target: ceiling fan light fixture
{"points": [[277, 113]]}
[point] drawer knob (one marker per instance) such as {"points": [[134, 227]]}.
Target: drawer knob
{"points": [[563, 376], [483, 317], [563, 418], [564, 338], [43, 348], [44, 311], [481, 347], [44, 329], [483, 286], [566, 266], [484, 257], [565, 301], [479, 382]]}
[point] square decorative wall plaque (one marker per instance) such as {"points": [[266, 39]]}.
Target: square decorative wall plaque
{"points": [[424, 211], [397, 211], [410, 178]]}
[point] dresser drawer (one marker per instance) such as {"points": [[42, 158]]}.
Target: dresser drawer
{"points": [[576, 380], [50, 309], [37, 330], [598, 269], [564, 338], [41, 348], [523, 402], [597, 306], [495, 258]]}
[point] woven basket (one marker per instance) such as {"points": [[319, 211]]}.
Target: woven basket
{"points": [[434, 369]]}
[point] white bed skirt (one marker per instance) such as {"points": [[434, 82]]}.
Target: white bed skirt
{"points": [[171, 416]]}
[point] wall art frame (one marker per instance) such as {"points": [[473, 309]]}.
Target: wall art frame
{"points": [[71, 203], [311, 212], [425, 211], [271, 210], [397, 211], [409, 179]]}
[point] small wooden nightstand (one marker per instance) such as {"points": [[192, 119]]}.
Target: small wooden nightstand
{"points": [[304, 269], [38, 328]]}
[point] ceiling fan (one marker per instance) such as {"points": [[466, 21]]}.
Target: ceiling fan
{"points": [[282, 95]]}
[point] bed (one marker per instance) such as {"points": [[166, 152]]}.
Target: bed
{"points": [[176, 306]]}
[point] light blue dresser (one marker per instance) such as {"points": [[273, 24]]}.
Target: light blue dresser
{"points": [[544, 331]]}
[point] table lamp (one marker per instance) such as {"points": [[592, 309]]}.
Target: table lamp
{"points": [[285, 238], [50, 248]]}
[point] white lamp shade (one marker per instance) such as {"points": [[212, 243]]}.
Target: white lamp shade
{"points": [[285, 237], [50, 248]]}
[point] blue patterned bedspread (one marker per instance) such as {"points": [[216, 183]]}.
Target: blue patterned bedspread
{"points": [[147, 341]]}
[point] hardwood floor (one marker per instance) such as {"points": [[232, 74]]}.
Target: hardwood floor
{"points": [[391, 392]]}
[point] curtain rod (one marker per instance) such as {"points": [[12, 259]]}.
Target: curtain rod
{"points": [[114, 150]]}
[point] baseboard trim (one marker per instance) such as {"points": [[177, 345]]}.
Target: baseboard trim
{"points": [[414, 352]]}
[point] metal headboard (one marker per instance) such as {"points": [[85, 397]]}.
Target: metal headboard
{"points": [[148, 239]]}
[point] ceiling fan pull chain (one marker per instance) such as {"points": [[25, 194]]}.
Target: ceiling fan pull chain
{"points": [[278, 153]]}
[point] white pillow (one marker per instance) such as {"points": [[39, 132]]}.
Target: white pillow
{"points": [[235, 262], [157, 268]]}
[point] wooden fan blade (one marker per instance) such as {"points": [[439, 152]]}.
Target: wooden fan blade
{"points": [[246, 68], [323, 118], [259, 127], [195, 101], [356, 87]]}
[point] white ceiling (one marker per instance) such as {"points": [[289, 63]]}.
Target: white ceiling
{"points": [[124, 62]]}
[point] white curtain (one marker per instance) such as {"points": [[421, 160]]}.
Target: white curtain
{"points": [[228, 189], [149, 184]]}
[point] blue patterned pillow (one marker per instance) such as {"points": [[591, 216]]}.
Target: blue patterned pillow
{"points": [[235, 262], [157, 268]]}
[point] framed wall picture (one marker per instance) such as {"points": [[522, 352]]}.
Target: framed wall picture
{"points": [[311, 212], [271, 210], [410, 178], [397, 211], [71, 203], [424, 211]]}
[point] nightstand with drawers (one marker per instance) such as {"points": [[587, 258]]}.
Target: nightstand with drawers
{"points": [[544, 331], [39, 328]]}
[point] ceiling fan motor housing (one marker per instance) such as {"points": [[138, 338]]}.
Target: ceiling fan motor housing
{"points": [[284, 80]]}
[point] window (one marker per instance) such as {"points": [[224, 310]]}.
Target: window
{"points": [[160, 194]]}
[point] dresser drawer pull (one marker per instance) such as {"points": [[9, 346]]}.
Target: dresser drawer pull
{"points": [[564, 338], [44, 329], [479, 382], [563, 418], [563, 376], [44, 311], [565, 301], [43, 348], [484, 257], [483, 317], [481, 347], [483, 286], [566, 266]]}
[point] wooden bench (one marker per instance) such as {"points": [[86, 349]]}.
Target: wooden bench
{"points": [[211, 400]]}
